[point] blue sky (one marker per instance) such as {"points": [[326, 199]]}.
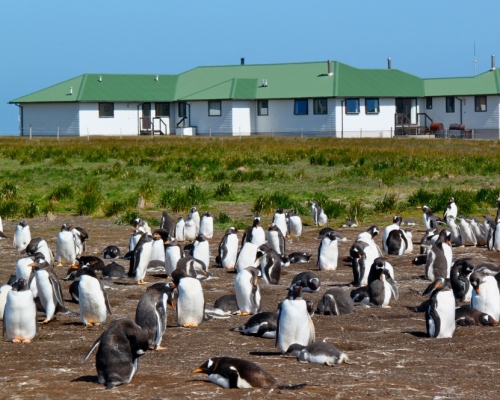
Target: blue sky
{"points": [[44, 43]]}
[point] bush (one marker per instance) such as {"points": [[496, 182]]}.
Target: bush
{"points": [[10, 208], [356, 211], [334, 209], [91, 199], [61, 192], [8, 191], [389, 204], [223, 191]]}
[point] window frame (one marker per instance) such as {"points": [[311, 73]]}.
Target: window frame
{"points": [[377, 109], [214, 112], [477, 106], [450, 104], [103, 113], [296, 105], [164, 107], [319, 109], [346, 105], [260, 108], [182, 109], [428, 103]]}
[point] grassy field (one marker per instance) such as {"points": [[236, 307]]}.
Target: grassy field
{"points": [[366, 178]]}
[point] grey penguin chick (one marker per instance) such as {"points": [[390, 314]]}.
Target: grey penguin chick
{"points": [[151, 313], [120, 347], [319, 352], [263, 325], [337, 300]]}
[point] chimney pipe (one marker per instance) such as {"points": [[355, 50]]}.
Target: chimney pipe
{"points": [[242, 61], [330, 68], [493, 62], [389, 63]]}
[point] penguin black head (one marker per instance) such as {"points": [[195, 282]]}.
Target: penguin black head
{"points": [[421, 259], [201, 238], [438, 284], [373, 230], [379, 263], [279, 211], [40, 264], [294, 349], [111, 252], [256, 222], [23, 223], [20, 285], [397, 219], [88, 269], [331, 235], [65, 227], [177, 275], [207, 214], [206, 368]]}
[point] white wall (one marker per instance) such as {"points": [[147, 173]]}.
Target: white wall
{"points": [[124, 121], [46, 119]]}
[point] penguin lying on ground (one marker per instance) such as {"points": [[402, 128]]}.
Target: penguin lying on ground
{"points": [[261, 325], [337, 300], [227, 303], [319, 352], [299, 257], [111, 252], [308, 281], [466, 316]]}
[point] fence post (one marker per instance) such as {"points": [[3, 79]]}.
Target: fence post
{"points": [[210, 132], [361, 132], [302, 133], [88, 135], [57, 133], [391, 132], [120, 132], [30, 131]]}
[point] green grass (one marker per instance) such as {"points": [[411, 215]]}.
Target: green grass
{"points": [[350, 178]]}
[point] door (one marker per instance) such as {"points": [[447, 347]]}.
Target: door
{"points": [[146, 116], [407, 111]]}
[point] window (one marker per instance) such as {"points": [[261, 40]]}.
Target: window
{"points": [[450, 104], [263, 107], [320, 106], [162, 109], [301, 107], [106, 110], [480, 103], [214, 108], [182, 109], [372, 106], [352, 106], [428, 103]]}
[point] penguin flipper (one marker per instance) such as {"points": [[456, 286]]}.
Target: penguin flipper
{"points": [[435, 317], [106, 301], [332, 303], [394, 287], [278, 325], [161, 318], [56, 288], [96, 343]]}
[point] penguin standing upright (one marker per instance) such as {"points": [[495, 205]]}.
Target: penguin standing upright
{"points": [[228, 249], [479, 233], [167, 223], [22, 236], [467, 233], [247, 256], [276, 239], [328, 253], [270, 264], [459, 279], [382, 285], [451, 209], [318, 214], [66, 247], [279, 219], [396, 225], [135, 236], [190, 305], [151, 312], [179, 230], [120, 346], [140, 258], [190, 230], [294, 224], [49, 289], [81, 236], [486, 295], [2, 234], [201, 250], [247, 290], [440, 314], [438, 263], [157, 259], [19, 316], [173, 253], [92, 298], [455, 234], [294, 322], [255, 234], [207, 225], [195, 216], [429, 219]]}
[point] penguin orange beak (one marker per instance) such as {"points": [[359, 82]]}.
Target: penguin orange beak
{"points": [[75, 267], [477, 290], [32, 265], [197, 371], [167, 242], [255, 281]]}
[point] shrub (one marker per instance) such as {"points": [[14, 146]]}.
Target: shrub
{"points": [[91, 199], [223, 191], [61, 192], [10, 208], [356, 211], [8, 191], [334, 209], [147, 189], [389, 204], [30, 210], [488, 196]]}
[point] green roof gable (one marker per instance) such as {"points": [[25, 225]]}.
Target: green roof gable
{"points": [[486, 83]]}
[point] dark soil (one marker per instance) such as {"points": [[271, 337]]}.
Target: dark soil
{"points": [[390, 353]]}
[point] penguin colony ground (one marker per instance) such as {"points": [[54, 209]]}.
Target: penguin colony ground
{"points": [[389, 351]]}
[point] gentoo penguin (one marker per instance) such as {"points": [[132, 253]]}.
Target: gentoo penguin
{"points": [[308, 281], [140, 258], [261, 325], [66, 247], [294, 322], [318, 214], [294, 224], [485, 294], [466, 232], [319, 352], [299, 257], [478, 230], [201, 250], [142, 225], [19, 316], [151, 312], [135, 236], [270, 264], [81, 236], [421, 259], [179, 229], [114, 271], [49, 289], [236, 373], [397, 242], [279, 219], [92, 298], [190, 230], [157, 258], [207, 225], [396, 225], [437, 261], [22, 236], [337, 300], [247, 290], [328, 253], [4, 291], [228, 249], [190, 305], [381, 288], [111, 252], [227, 303], [451, 209], [39, 245], [429, 219], [2, 234], [120, 346], [24, 270], [430, 237], [276, 239], [195, 216], [167, 223], [193, 267], [255, 234], [455, 234], [459, 279], [467, 316], [440, 315], [362, 254], [173, 253], [247, 256]]}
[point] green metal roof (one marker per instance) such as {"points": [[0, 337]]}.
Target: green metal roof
{"points": [[486, 83]]}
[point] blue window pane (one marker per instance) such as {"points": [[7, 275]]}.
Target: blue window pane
{"points": [[300, 107], [352, 106]]}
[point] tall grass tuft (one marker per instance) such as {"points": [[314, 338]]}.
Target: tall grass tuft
{"points": [[488, 197], [223, 191], [334, 208], [91, 199], [356, 211], [62, 192], [147, 189], [196, 195], [10, 208], [389, 204], [30, 210], [8, 191]]}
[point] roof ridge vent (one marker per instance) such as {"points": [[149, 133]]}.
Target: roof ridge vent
{"points": [[330, 68]]}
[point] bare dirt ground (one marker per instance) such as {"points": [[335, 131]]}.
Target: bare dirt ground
{"points": [[391, 355]]}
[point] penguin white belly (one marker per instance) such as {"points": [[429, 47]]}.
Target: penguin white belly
{"points": [[91, 300], [293, 324], [496, 240], [47, 253], [46, 293], [488, 299], [172, 256], [229, 258], [23, 270], [207, 227], [258, 236], [448, 255], [387, 293], [322, 219], [280, 221], [329, 254], [20, 316], [446, 310], [201, 252], [219, 380], [179, 231], [190, 302], [295, 226], [409, 239], [133, 241], [371, 254], [190, 231], [247, 256], [273, 240], [387, 230], [4, 291], [66, 249], [158, 251], [247, 301], [468, 295], [145, 257]]}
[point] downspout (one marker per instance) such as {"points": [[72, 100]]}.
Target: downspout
{"points": [[461, 101], [138, 120], [342, 104], [21, 121]]}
